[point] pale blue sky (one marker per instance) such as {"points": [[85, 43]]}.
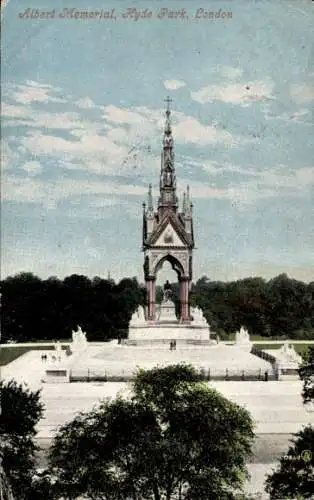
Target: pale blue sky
{"points": [[82, 111]]}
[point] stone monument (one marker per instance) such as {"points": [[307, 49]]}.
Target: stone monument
{"points": [[138, 317], [170, 332], [79, 341], [168, 232], [198, 317], [58, 351], [242, 340], [167, 327], [288, 361]]}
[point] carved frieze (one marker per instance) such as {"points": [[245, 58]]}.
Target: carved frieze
{"points": [[155, 256]]}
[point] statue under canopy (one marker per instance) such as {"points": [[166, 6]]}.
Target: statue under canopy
{"points": [[167, 291]]}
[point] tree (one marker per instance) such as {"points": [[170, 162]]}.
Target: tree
{"points": [[306, 372], [295, 474], [294, 477], [21, 409], [174, 438]]}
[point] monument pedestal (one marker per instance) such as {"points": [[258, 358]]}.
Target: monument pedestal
{"points": [[168, 328]]}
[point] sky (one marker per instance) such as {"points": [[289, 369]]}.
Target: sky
{"points": [[82, 122]]}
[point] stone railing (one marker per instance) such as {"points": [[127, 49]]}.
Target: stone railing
{"points": [[266, 357]]}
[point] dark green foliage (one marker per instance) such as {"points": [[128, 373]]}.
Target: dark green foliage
{"points": [[46, 309], [306, 372], [280, 307], [34, 309], [20, 411], [174, 438], [294, 477]]}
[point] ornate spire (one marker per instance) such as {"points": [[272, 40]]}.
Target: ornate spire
{"points": [[168, 196], [168, 140]]}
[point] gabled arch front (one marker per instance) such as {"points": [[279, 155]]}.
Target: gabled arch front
{"points": [[176, 265]]}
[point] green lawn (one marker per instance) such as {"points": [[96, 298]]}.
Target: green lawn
{"points": [[300, 348], [253, 337], [8, 354]]}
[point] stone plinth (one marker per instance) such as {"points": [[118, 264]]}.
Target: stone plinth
{"points": [[167, 312], [167, 328], [163, 332], [288, 361]]}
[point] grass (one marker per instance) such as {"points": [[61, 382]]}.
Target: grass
{"points": [[52, 342], [299, 348], [253, 337], [8, 354]]}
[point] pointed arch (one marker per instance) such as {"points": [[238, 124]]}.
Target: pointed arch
{"points": [[176, 265]]}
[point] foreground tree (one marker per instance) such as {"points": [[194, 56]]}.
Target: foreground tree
{"points": [[175, 438], [295, 475], [21, 409], [306, 372], [294, 478]]}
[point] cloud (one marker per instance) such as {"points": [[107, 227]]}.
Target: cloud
{"points": [[291, 117], [302, 92], [120, 141], [12, 111], [174, 84], [48, 193], [32, 167], [9, 157], [241, 194], [121, 116], [35, 92], [261, 184], [243, 94], [230, 72], [190, 130], [85, 103]]}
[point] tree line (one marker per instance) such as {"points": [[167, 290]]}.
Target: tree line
{"points": [[36, 309], [282, 306]]}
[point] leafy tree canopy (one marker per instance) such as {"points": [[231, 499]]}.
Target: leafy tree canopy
{"points": [[173, 438], [21, 409], [295, 475], [306, 372], [294, 478]]}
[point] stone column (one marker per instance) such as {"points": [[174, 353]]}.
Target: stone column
{"points": [[151, 297], [184, 298]]}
